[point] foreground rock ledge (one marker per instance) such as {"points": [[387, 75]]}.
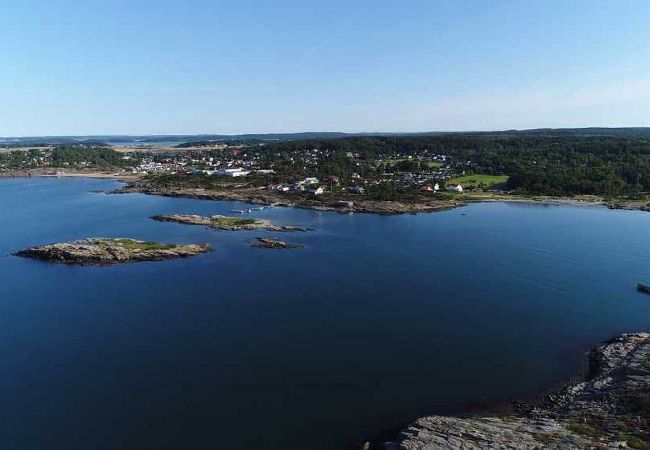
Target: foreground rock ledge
{"points": [[610, 409], [227, 223], [104, 251]]}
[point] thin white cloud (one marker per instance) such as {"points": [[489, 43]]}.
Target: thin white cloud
{"points": [[328, 39]]}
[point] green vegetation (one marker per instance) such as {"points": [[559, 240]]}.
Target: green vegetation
{"points": [[479, 181], [82, 155], [87, 156], [407, 164], [633, 440], [17, 159], [139, 245], [168, 181], [584, 429], [540, 162], [234, 221]]}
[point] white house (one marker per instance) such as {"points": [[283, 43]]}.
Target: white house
{"points": [[457, 188], [311, 180], [236, 172], [436, 187], [316, 190]]}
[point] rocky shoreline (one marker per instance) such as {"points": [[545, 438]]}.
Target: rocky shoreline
{"points": [[105, 251], [355, 204], [226, 223], [273, 243], [135, 184], [319, 203], [610, 408]]}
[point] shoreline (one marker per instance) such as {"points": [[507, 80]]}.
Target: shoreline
{"points": [[109, 175], [514, 405], [361, 205], [596, 408], [382, 207]]}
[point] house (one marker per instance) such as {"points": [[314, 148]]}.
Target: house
{"points": [[436, 187], [356, 190], [315, 190], [333, 179], [235, 172], [311, 180], [426, 188], [452, 188]]}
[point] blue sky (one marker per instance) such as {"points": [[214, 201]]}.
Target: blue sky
{"points": [[200, 66]]}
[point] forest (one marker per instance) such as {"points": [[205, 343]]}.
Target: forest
{"points": [[552, 163]]}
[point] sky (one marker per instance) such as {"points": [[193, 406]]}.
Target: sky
{"points": [[253, 66]]}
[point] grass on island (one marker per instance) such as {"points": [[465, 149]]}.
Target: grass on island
{"points": [[235, 221], [140, 245], [475, 181]]}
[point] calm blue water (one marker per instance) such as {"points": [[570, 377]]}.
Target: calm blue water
{"points": [[377, 321]]}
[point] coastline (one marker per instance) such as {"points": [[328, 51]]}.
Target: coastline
{"points": [[40, 173], [521, 404], [361, 205], [485, 410], [423, 204], [600, 407]]}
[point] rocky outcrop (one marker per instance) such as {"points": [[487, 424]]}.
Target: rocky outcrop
{"points": [[227, 223], [104, 251], [273, 243], [609, 409]]}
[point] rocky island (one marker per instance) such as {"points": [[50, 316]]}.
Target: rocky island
{"points": [[273, 243], [227, 223], [610, 408], [105, 251]]}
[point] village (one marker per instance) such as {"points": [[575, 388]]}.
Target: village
{"points": [[311, 171], [302, 169]]}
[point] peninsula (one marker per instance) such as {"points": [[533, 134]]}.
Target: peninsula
{"points": [[105, 251], [370, 174]]}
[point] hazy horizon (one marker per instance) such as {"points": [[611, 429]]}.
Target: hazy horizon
{"points": [[351, 133]]}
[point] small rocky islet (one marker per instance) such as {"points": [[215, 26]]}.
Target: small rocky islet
{"points": [[107, 251], [227, 223], [273, 243]]}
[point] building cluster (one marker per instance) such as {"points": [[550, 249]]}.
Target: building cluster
{"points": [[294, 169]]}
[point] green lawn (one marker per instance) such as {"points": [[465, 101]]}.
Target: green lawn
{"points": [[234, 221], [476, 180], [133, 244]]}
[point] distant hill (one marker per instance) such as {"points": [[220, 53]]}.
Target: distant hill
{"points": [[631, 132]]}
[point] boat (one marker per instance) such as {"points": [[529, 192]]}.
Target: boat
{"points": [[643, 288]]}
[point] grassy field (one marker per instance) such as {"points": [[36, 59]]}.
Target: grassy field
{"points": [[478, 180], [234, 221], [132, 244]]}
